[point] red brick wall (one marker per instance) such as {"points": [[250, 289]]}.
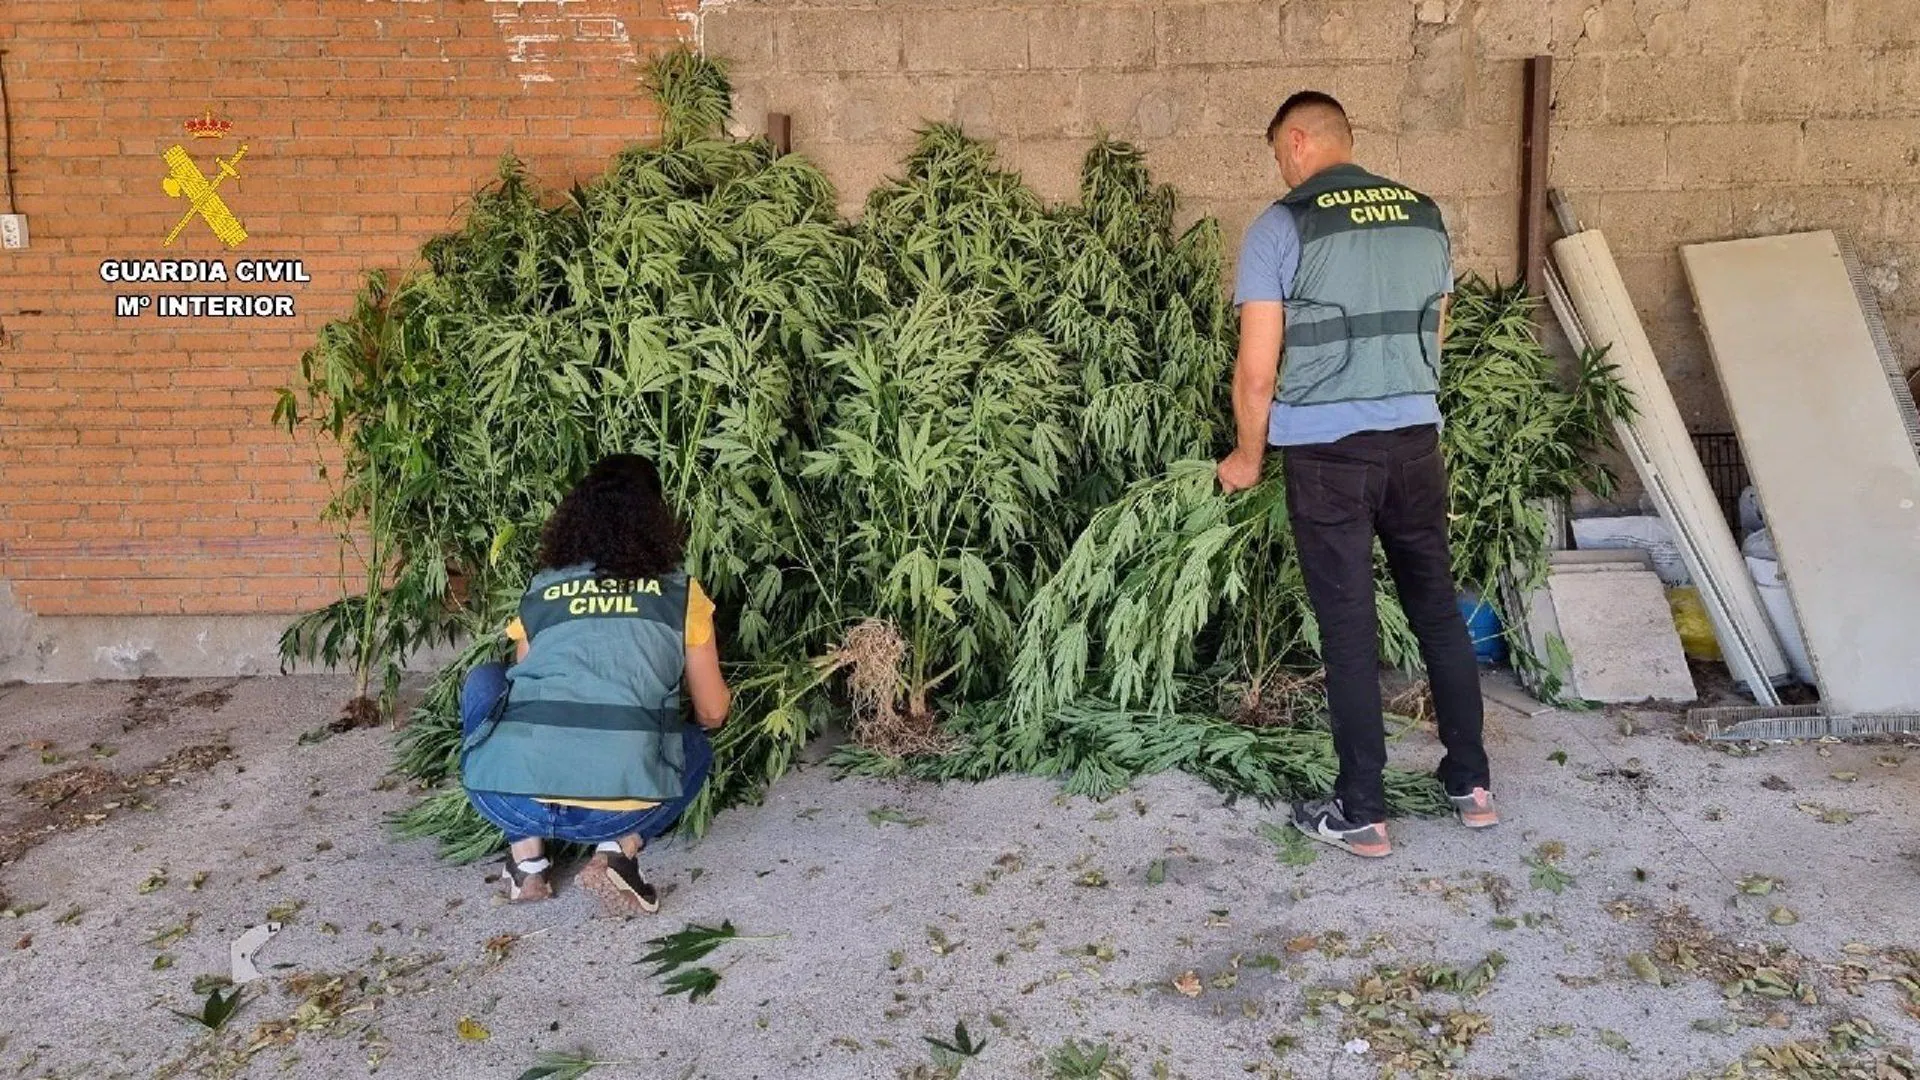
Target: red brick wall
{"points": [[139, 470]]}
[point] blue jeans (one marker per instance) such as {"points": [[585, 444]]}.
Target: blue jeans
{"points": [[523, 817]]}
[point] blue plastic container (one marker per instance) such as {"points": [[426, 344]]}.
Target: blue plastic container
{"points": [[1483, 627]]}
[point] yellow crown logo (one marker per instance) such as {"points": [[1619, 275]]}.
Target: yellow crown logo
{"points": [[207, 127]]}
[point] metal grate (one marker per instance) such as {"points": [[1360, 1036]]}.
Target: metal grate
{"points": [[1726, 471], [1785, 723]]}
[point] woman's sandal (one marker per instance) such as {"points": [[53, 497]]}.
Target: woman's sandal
{"points": [[527, 881]]}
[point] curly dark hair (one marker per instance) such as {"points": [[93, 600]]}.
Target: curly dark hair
{"points": [[617, 519]]}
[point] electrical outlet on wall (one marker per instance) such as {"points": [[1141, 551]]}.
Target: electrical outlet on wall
{"points": [[13, 231]]}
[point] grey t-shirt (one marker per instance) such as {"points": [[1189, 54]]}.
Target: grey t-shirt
{"points": [[1269, 258]]}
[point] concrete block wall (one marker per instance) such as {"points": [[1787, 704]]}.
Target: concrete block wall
{"points": [[1676, 121]]}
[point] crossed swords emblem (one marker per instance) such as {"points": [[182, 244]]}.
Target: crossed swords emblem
{"points": [[188, 182]]}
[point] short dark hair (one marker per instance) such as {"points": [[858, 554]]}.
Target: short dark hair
{"points": [[617, 519], [1301, 100]]}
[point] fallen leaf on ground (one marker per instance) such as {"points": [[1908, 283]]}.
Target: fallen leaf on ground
{"points": [[1846, 777], [1716, 1027], [1547, 877], [215, 1011], [154, 882], [1826, 815], [1188, 984], [1643, 966], [1157, 872], [695, 983], [500, 947], [472, 1030], [1613, 1040], [1784, 916], [172, 934]]}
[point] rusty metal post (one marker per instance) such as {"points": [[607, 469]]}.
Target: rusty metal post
{"points": [[1535, 154]]}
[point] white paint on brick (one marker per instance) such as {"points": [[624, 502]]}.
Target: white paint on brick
{"points": [[696, 17], [538, 32]]}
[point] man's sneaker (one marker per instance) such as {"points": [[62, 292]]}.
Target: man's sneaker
{"points": [[527, 881], [1325, 821], [1476, 809], [615, 879]]}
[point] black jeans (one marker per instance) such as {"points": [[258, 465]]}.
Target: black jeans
{"points": [[1339, 496]]}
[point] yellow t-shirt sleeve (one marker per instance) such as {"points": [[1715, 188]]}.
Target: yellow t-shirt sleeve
{"points": [[699, 616]]}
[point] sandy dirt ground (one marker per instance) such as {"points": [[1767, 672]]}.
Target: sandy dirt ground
{"points": [[1650, 908]]}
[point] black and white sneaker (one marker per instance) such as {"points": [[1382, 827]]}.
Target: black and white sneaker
{"points": [[615, 878], [1324, 820]]}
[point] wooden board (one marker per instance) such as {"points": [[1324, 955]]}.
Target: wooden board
{"points": [[1828, 450]]}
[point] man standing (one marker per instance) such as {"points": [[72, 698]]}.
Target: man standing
{"points": [[1351, 273]]}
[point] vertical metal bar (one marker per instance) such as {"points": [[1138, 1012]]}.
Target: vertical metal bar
{"points": [[1535, 153], [780, 132]]}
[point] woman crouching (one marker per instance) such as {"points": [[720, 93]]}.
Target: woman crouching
{"points": [[583, 739]]}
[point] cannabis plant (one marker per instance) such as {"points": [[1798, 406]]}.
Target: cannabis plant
{"points": [[946, 468]]}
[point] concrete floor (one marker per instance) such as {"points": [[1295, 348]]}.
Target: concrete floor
{"points": [[905, 908]]}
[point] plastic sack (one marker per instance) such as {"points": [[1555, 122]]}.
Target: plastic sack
{"points": [[1763, 564], [1752, 517], [1644, 532], [1690, 617]]}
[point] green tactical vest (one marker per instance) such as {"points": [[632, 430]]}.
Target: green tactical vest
{"points": [[1363, 316], [594, 710]]}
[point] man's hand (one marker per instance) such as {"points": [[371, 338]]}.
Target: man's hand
{"points": [[1238, 471]]}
